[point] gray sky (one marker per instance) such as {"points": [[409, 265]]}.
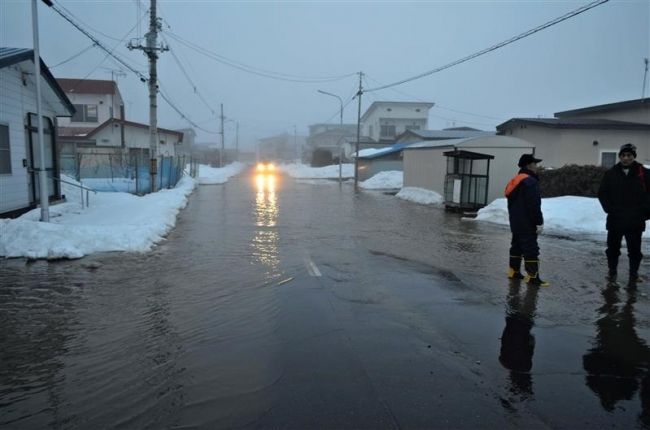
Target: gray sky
{"points": [[593, 58]]}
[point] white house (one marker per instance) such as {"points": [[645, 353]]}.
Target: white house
{"points": [[120, 135], [19, 155], [95, 101], [383, 121]]}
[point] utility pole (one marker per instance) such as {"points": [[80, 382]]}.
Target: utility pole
{"points": [[356, 145], [295, 143], [151, 50], [340, 142], [222, 139], [645, 76], [237, 141], [43, 191]]}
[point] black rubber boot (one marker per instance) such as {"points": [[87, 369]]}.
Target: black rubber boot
{"points": [[634, 272], [514, 271], [612, 265], [532, 273]]}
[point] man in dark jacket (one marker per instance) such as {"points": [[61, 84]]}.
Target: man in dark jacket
{"points": [[526, 220], [623, 194]]}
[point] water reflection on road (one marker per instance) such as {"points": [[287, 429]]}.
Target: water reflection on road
{"points": [[618, 365], [266, 239], [223, 326]]}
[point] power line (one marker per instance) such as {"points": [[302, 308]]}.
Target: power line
{"points": [[111, 53], [73, 56], [99, 44], [495, 47], [187, 76], [69, 12], [256, 70], [178, 111], [436, 105]]}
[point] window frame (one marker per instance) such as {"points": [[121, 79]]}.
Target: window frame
{"points": [[81, 114], [8, 149], [608, 151], [381, 130]]}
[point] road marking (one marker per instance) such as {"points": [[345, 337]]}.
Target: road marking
{"points": [[312, 269]]}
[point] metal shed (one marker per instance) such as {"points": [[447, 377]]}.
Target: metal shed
{"points": [[425, 163]]}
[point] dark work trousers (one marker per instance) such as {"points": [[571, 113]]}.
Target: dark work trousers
{"points": [[524, 244], [633, 241]]}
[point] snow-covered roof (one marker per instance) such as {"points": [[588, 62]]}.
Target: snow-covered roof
{"points": [[491, 141], [383, 151], [445, 134]]}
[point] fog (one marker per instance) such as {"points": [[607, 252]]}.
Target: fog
{"points": [[593, 58]]}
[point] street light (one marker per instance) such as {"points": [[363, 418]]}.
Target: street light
{"points": [[341, 137]]}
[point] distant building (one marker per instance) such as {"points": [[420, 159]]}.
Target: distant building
{"points": [[330, 137], [282, 147], [189, 141], [384, 121], [19, 156], [590, 135]]}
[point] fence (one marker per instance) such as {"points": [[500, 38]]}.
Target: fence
{"points": [[125, 172]]}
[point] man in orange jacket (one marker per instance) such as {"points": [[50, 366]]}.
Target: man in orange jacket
{"points": [[526, 220]]}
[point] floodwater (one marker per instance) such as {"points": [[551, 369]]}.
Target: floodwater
{"points": [[278, 303]]}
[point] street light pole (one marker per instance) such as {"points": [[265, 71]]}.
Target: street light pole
{"points": [[42, 179], [341, 137]]}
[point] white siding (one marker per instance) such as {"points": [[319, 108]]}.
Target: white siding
{"points": [[136, 137], [427, 167], [16, 100]]}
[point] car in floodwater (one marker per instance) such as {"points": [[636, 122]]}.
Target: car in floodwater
{"points": [[265, 166]]}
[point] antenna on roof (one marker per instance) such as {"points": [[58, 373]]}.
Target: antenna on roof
{"points": [[645, 76]]}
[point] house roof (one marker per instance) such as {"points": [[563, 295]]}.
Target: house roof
{"points": [[398, 147], [376, 105], [88, 86], [493, 141], [624, 105], [445, 134], [576, 123], [11, 56], [74, 131], [467, 155], [132, 124]]}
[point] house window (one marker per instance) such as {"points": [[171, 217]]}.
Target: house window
{"points": [[387, 131], [5, 150], [412, 127], [85, 113], [608, 159]]}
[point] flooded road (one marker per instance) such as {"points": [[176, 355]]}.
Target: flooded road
{"points": [[278, 303]]}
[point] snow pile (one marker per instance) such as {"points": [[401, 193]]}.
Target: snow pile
{"points": [[388, 180], [215, 175], [420, 195], [302, 171], [562, 214], [113, 222]]}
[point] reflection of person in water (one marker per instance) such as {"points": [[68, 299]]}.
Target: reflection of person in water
{"points": [[517, 343], [619, 363]]}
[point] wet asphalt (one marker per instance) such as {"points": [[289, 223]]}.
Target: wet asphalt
{"points": [[280, 303]]}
